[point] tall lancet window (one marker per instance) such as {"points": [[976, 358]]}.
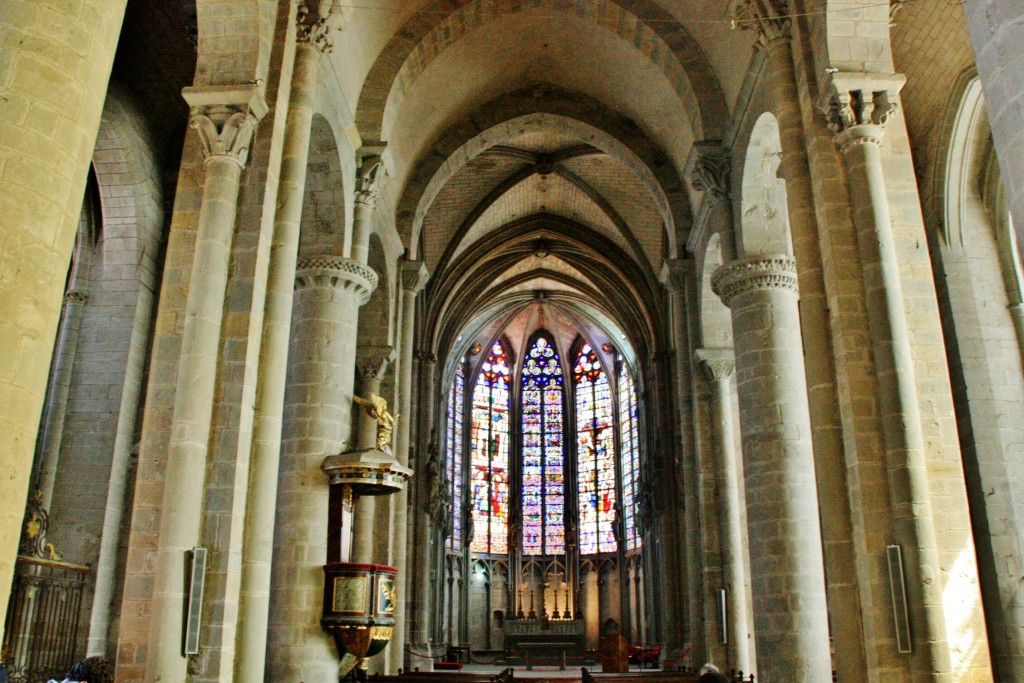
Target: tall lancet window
{"points": [[629, 440], [489, 459], [456, 410], [595, 441], [543, 452]]}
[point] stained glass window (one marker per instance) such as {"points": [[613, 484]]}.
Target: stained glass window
{"points": [[629, 458], [595, 441], [456, 410], [543, 459], [489, 474]]}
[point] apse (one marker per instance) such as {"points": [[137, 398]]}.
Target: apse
{"points": [[542, 451]]}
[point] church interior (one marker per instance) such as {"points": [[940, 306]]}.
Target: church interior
{"points": [[353, 337]]}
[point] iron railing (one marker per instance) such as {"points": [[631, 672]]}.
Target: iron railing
{"points": [[41, 628]]}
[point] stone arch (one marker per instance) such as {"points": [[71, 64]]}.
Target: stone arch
{"points": [[652, 30], [115, 285], [324, 205], [978, 281], [235, 38], [534, 109], [763, 224], [630, 295]]}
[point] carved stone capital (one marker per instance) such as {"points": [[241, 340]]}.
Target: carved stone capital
{"points": [[314, 28], [225, 118], [861, 99], [712, 171], [674, 273], [717, 363], [761, 272], [770, 18], [76, 297], [414, 276], [336, 272], [375, 363], [368, 177]]}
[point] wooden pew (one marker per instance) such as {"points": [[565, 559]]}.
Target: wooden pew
{"points": [[653, 676], [505, 676]]}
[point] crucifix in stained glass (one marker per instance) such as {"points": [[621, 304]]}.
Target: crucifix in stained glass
{"points": [[595, 456], [543, 466], [489, 457]]}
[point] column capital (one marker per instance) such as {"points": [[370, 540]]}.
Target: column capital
{"points": [[414, 276], [225, 116], [711, 170], [674, 273], [314, 28], [375, 362], [73, 296], [368, 177], [864, 101], [717, 363], [337, 272], [770, 18], [759, 272]]}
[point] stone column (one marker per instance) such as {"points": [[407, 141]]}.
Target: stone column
{"points": [[317, 419], [371, 374], [775, 41], [367, 186], [421, 607], [997, 32], [414, 278], [788, 583], [858, 112], [225, 118], [684, 616], [55, 89], [312, 40], [75, 300], [719, 365]]}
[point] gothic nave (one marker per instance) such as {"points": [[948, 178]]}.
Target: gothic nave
{"points": [[477, 327]]}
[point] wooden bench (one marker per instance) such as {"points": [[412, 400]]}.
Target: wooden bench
{"points": [[655, 676], [443, 677]]}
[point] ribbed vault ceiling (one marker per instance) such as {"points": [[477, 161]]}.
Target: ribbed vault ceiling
{"points": [[577, 207]]}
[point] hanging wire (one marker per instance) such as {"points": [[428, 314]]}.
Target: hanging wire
{"points": [[361, 5]]}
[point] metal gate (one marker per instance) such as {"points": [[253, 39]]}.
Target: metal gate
{"points": [[42, 619]]}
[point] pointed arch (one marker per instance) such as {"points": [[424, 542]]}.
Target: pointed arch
{"points": [[595, 452], [489, 455], [543, 448]]}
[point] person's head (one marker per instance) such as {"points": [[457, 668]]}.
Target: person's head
{"points": [[708, 668]]}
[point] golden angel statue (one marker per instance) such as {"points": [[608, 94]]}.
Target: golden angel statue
{"points": [[377, 408]]}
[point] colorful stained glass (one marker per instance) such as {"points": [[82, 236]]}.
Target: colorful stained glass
{"points": [[595, 441], [629, 457], [453, 460], [489, 471], [543, 466]]}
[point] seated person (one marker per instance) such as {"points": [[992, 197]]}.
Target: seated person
{"points": [[709, 673]]}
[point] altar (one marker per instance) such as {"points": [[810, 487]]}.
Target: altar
{"points": [[530, 641]]}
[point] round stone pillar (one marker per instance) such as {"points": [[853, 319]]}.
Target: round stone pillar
{"points": [[421, 612], [365, 506], [317, 416], [860, 127], [312, 40], [57, 88], [414, 278], [719, 366], [788, 582], [225, 118]]}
